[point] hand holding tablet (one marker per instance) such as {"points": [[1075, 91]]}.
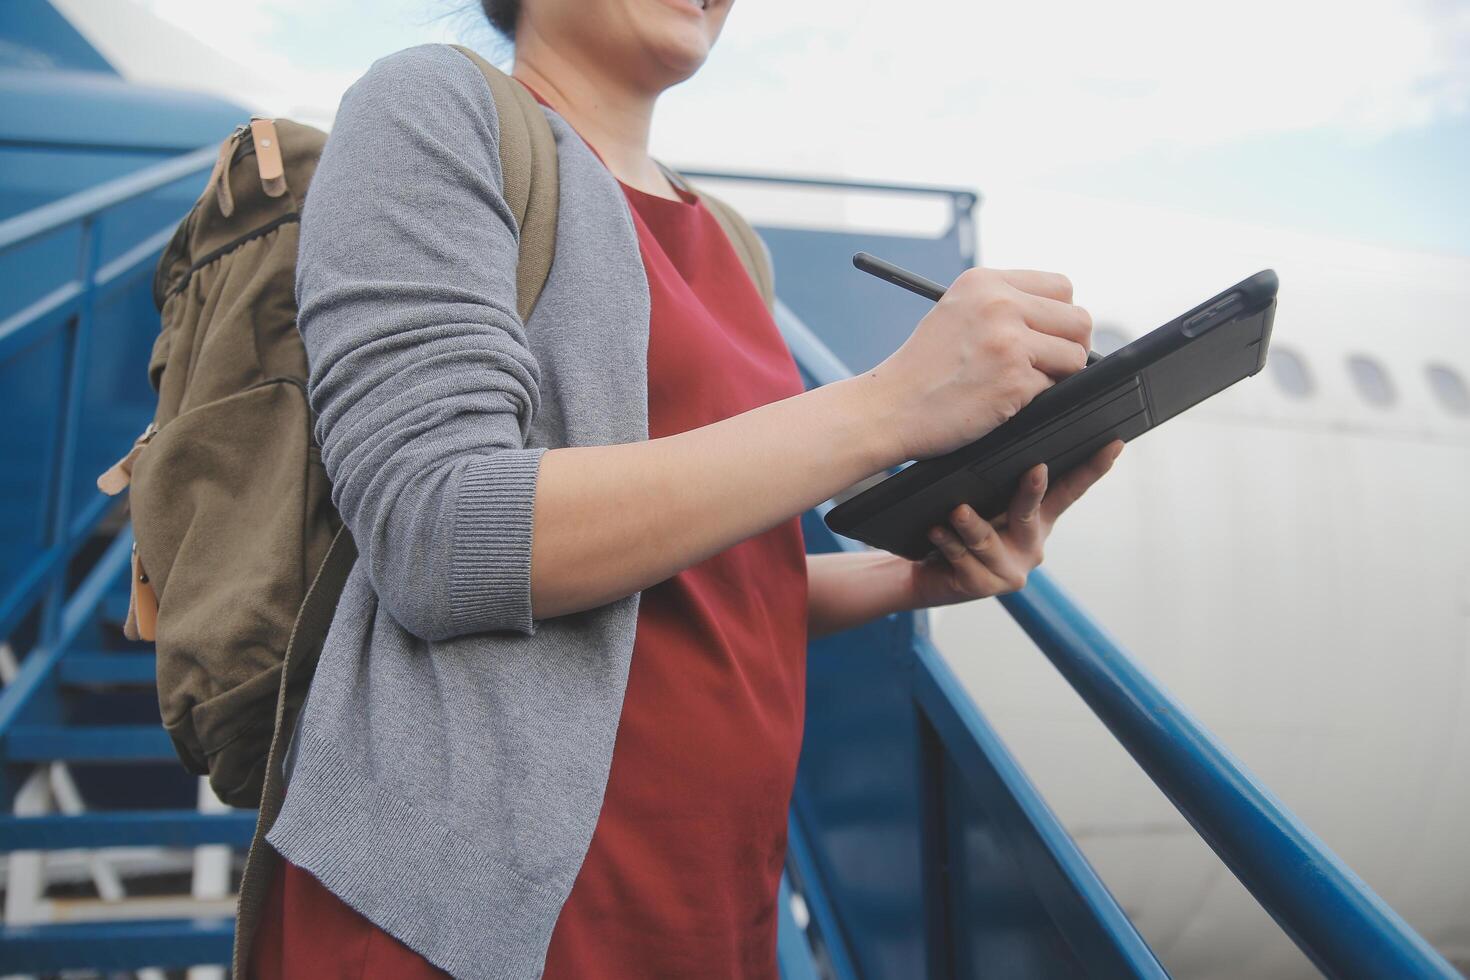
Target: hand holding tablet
{"points": [[976, 558], [1063, 425]]}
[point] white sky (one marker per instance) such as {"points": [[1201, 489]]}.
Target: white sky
{"points": [[1001, 94]]}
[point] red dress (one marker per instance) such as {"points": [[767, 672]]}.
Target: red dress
{"points": [[682, 873]]}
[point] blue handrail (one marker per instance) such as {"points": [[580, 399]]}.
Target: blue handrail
{"points": [[1329, 912], [1092, 921], [87, 204]]}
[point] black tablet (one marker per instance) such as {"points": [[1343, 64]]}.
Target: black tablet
{"points": [[1125, 394]]}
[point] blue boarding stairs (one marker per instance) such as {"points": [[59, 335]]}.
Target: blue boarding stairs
{"points": [[902, 783]]}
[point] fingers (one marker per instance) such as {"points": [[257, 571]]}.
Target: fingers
{"points": [[986, 561], [977, 535], [1049, 316], [1069, 488], [1052, 285], [971, 575], [1045, 301], [978, 557], [1055, 357], [1023, 517], [1023, 526]]}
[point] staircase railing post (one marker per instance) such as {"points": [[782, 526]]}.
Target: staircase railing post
{"points": [[77, 338], [934, 851]]}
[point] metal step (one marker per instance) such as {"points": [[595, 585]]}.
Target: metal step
{"points": [[135, 828], [88, 743], [116, 945]]}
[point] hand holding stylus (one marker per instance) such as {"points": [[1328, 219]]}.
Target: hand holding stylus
{"points": [[915, 283], [1026, 322], [994, 340]]}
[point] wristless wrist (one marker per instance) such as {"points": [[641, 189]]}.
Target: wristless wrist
{"points": [[878, 428]]}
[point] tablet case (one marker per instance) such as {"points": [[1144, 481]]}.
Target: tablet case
{"points": [[1144, 384]]}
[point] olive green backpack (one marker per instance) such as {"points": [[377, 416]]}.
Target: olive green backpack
{"points": [[239, 556], [239, 553]]}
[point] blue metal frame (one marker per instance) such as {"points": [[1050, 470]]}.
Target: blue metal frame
{"points": [[916, 825], [1095, 927], [35, 682], [793, 951], [150, 828], [824, 933]]}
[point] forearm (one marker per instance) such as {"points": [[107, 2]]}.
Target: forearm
{"points": [[847, 589], [612, 520]]}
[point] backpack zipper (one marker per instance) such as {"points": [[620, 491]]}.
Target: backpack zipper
{"points": [[142, 618], [219, 177], [243, 142], [236, 147]]}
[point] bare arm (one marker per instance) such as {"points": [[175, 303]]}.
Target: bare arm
{"points": [[611, 520], [848, 589]]}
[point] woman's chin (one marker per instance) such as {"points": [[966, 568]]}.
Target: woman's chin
{"points": [[677, 58]]}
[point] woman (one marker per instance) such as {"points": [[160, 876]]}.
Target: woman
{"points": [[556, 723]]}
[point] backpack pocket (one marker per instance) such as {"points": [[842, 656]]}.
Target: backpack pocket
{"points": [[232, 516]]}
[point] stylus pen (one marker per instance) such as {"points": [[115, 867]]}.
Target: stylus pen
{"points": [[915, 283]]}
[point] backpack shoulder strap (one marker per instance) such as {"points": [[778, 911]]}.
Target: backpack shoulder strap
{"points": [[749, 245], [303, 651], [528, 164]]}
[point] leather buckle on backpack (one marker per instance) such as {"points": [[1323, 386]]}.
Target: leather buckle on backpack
{"points": [[115, 479], [268, 157]]}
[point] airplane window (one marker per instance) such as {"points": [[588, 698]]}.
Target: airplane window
{"points": [[1371, 379], [1108, 338], [1450, 388], [1290, 372]]}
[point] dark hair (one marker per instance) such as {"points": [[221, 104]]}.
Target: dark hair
{"points": [[502, 15]]}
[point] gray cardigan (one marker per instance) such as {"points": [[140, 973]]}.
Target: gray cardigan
{"points": [[449, 765]]}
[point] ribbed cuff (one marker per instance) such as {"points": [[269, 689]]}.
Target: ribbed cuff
{"points": [[490, 570], [461, 909]]}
